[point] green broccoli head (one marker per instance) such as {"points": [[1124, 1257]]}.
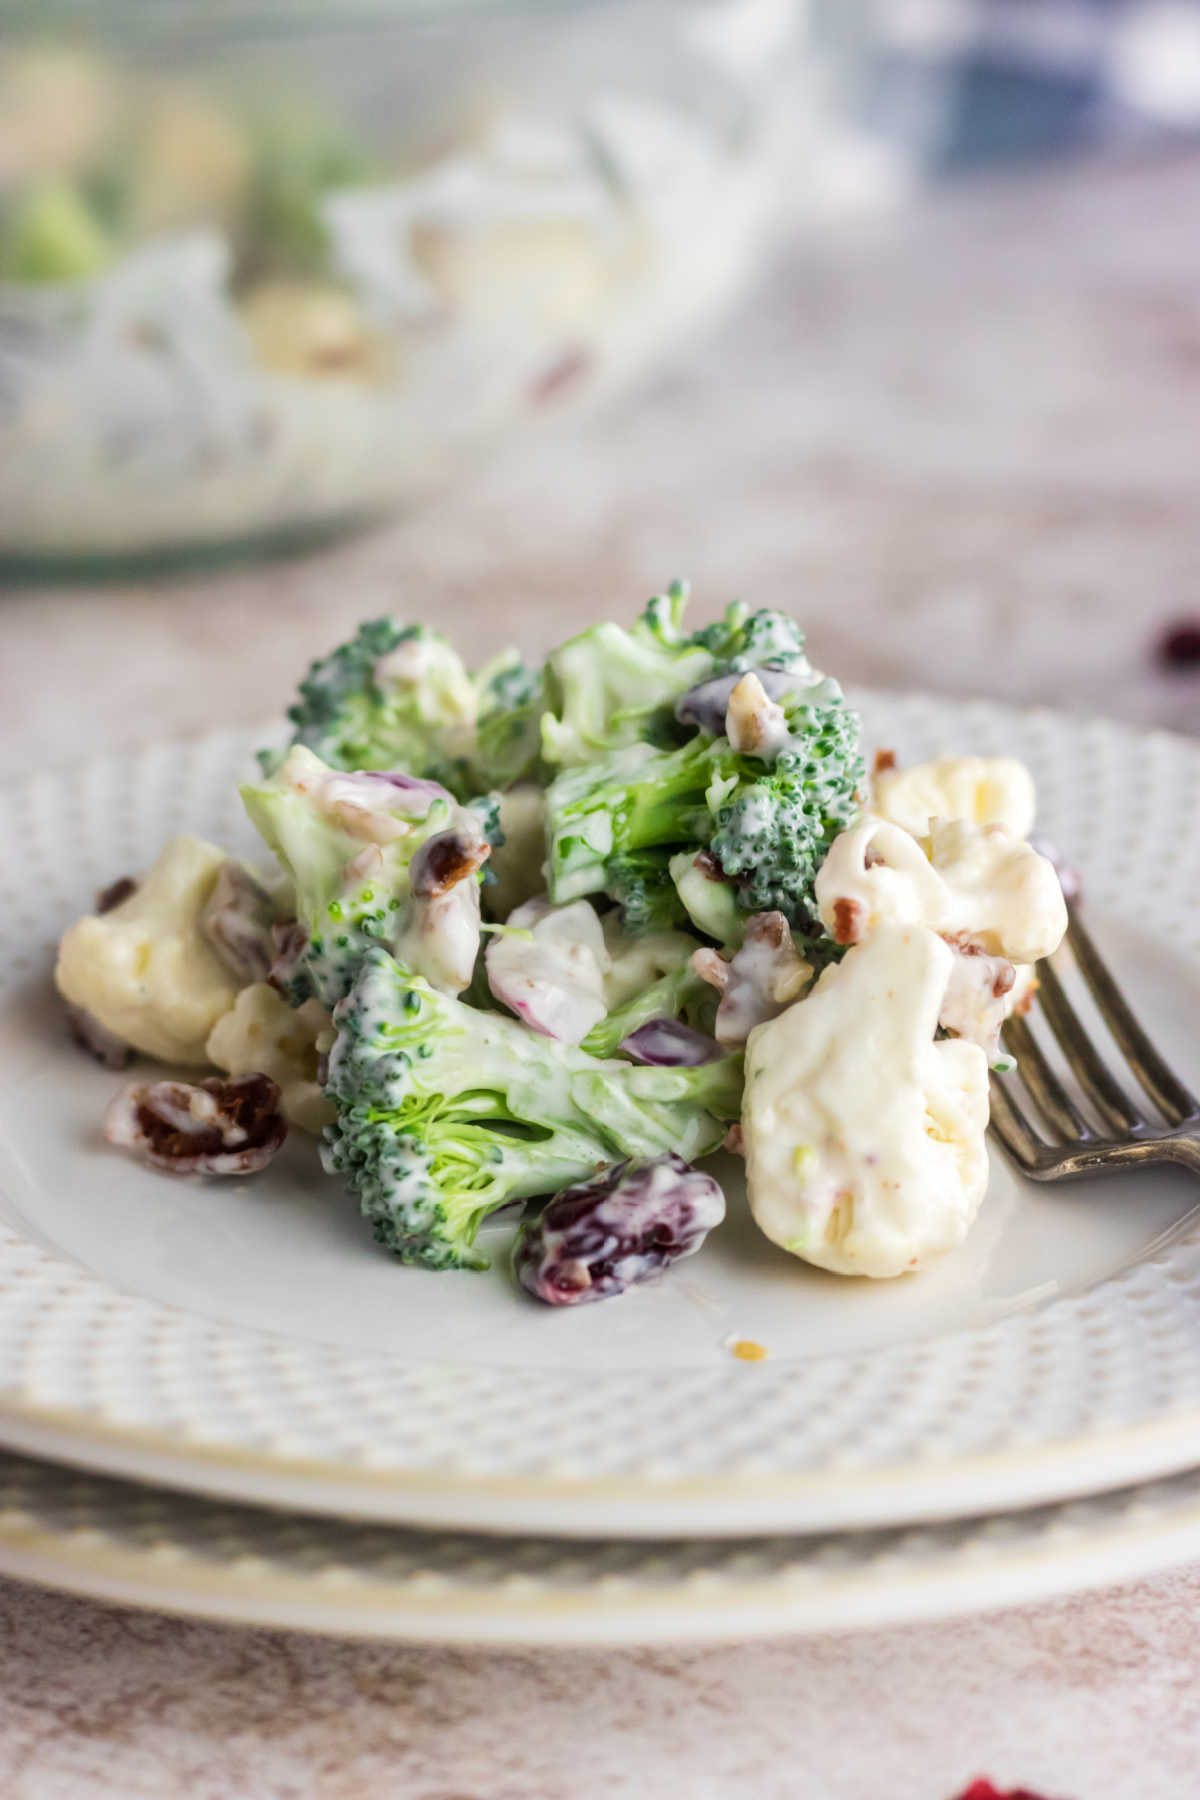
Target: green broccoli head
{"points": [[372, 857], [508, 734], [610, 687], [394, 697], [640, 883], [764, 639], [773, 832], [445, 1113], [766, 821]]}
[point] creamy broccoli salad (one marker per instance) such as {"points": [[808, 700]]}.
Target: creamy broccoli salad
{"points": [[544, 938]]}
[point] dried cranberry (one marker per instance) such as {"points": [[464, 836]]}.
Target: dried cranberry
{"points": [[1069, 878], [986, 1790], [1179, 645], [237, 922], [669, 1044], [213, 1127], [624, 1226], [113, 1052], [289, 943], [116, 893]]}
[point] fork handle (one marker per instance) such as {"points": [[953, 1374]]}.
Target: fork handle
{"points": [[1181, 1148]]}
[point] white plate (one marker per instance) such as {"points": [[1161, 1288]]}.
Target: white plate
{"points": [[250, 1340], [146, 1547]]}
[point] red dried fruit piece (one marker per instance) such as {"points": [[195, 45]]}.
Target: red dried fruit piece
{"points": [[116, 893], [210, 1127], [1179, 645], [113, 1052], [237, 923], [625, 1226], [985, 1790]]}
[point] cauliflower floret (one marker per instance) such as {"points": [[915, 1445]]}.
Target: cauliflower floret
{"points": [[518, 863], [145, 970], [977, 881], [263, 1035], [864, 1138], [987, 790]]}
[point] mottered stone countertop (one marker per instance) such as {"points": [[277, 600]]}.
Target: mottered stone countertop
{"points": [[962, 444]]}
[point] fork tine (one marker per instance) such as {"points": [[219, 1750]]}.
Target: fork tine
{"points": [[1013, 1129], [1163, 1086], [1101, 1088], [1045, 1089]]}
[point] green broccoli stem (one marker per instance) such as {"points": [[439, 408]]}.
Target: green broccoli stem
{"points": [[679, 994], [638, 798], [445, 1113]]}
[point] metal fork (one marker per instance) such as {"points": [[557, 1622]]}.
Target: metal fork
{"points": [[1061, 1141]]}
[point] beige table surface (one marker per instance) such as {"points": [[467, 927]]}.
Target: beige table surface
{"points": [[963, 447]]}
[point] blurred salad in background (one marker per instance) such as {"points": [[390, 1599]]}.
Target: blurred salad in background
{"points": [[261, 276]]}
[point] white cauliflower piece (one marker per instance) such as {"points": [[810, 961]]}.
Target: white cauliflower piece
{"points": [[518, 864], [987, 790], [977, 881], [263, 1035], [864, 1138], [145, 970]]}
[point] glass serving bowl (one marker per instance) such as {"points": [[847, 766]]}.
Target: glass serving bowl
{"points": [[269, 270]]}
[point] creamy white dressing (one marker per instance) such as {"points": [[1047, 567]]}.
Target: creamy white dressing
{"points": [[864, 1137], [552, 974]]}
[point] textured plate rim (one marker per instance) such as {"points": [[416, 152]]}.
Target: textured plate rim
{"points": [[897, 1578], [1028, 1472]]}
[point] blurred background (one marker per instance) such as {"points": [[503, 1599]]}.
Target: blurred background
{"points": [[503, 314]]}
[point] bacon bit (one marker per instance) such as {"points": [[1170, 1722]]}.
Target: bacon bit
{"points": [[711, 968], [1006, 975], [734, 1141], [746, 1350], [560, 377], [116, 893], [709, 865], [847, 921], [884, 760], [1025, 1003]]}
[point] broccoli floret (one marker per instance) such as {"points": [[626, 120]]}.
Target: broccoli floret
{"points": [[508, 735], [53, 236], [772, 832], [754, 640], [445, 1113], [348, 842], [299, 158], [610, 687], [640, 883], [768, 823], [394, 697]]}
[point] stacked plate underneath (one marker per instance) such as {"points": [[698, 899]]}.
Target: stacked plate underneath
{"points": [[278, 1424]]}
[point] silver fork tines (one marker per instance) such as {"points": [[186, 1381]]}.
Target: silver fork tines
{"points": [[1047, 1130]]}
